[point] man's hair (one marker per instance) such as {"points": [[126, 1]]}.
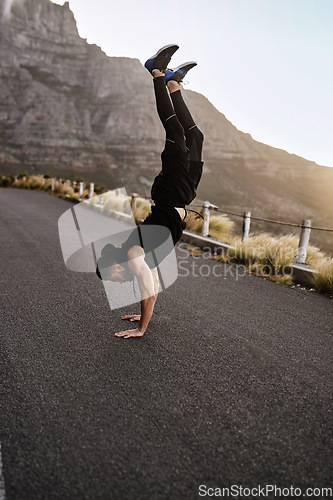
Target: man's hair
{"points": [[110, 255]]}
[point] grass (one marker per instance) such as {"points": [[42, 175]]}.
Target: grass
{"points": [[276, 251], [43, 183], [323, 279], [286, 279], [220, 226], [271, 257], [194, 251], [265, 249], [142, 209], [113, 202]]}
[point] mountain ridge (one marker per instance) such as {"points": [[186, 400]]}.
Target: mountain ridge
{"points": [[66, 107]]}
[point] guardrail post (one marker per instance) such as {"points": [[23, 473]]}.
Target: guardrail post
{"points": [[133, 201], [246, 226], [74, 185], [101, 201], [81, 188], [303, 241], [91, 189], [52, 183], [205, 222], [43, 181], [68, 183]]}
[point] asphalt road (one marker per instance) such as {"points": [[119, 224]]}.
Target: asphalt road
{"points": [[231, 385]]}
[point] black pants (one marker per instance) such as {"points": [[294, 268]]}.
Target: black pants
{"points": [[181, 157], [175, 185]]}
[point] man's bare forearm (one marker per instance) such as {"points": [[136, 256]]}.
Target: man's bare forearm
{"points": [[149, 286], [147, 307], [156, 281]]}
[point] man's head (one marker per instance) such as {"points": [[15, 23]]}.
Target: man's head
{"points": [[112, 265]]}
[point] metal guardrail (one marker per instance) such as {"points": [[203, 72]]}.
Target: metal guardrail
{"points": [[207, 207], [247, 217]]}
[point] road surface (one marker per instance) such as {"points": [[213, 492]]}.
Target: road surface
{"points": [[231, 385]]}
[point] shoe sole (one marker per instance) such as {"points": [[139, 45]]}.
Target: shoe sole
{"points": [[176, 75], [161, 50], [183, 65], [151, 61]]}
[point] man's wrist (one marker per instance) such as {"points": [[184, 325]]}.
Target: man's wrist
{"points": [[141, 329]]}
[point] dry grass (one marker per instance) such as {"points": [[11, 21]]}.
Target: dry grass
{"points": [[223, 257], [142, 209], [314, 256], [323, 279], [278, 252], [111, 203], [272, 256], [114, 202], [220, 226], [38, 182], [285, 280], [194, 251], [34, 182]]}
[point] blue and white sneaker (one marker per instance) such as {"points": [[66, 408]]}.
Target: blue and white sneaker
{"points": [[178, 73], [161, 59]]}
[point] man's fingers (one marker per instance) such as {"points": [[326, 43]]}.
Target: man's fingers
{"points": [[129, 333], [121, 334], [131, 317]]}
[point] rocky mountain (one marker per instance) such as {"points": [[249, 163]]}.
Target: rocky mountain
{"points": [[65, 107]]}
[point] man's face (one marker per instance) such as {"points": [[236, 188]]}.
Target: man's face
{"points": [[117, 273]]}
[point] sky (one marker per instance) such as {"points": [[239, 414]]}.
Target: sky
{"points": [[267, 65]]}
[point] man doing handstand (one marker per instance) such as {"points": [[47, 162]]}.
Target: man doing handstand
{"points": [[173, 188]]}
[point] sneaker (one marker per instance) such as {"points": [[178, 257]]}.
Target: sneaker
{"points": [[178, 74], [162, 58]]}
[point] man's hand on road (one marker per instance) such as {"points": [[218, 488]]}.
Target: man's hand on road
{"points": [[132, 317], [130, 333]]}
